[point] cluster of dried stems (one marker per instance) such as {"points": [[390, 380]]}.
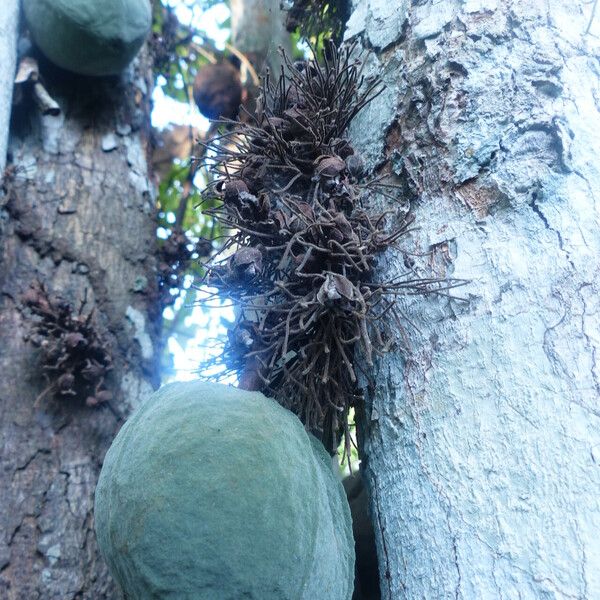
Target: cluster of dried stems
{"points": [[75, 359], [299, 261], [174, 257]]}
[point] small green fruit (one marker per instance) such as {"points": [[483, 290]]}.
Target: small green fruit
{"points": [[213, 493], [91, 37]]}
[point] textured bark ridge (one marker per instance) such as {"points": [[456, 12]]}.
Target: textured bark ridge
{"points": [[482, 439], [78, 217], [9, 20]]}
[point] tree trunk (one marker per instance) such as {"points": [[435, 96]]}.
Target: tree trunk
{"points": [[482, 435], [78, 218], [9, 20], [257, 30]]}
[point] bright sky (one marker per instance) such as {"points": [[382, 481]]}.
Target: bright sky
{"points": [[206, 325]]}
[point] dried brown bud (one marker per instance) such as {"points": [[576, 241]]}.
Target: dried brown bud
{"points": [[92, 370], [65, 384], [275, 123], [296, 122], [31, 296], [204, 247], [330, 166], [295, 97], [344, 227], [35, 297], [104, 396], [91, 401], [246, 262], [176, 245], [233, 189], [164, 269], [240, 337], [74, 340], [342, 148], [335, 287], [355, 166], [253, 172]]}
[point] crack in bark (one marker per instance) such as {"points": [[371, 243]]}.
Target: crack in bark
{"points": [[387, 574], [589, 341], [25, 465], [457, 592]]}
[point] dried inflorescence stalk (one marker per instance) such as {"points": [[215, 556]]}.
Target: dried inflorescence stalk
{"points": [[75, 360], [300, 258]]}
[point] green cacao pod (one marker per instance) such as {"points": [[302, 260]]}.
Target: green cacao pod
{"points": [[91, 37], [213, 493]]}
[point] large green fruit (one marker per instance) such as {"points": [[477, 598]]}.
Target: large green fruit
{"points": [[213, 493], [91, 37]]}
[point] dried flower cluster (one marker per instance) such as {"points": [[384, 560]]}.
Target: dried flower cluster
{"points": [[75, 360], [299, 264], [174, 256]]}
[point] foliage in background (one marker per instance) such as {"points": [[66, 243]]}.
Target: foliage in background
{"points": [[186, 235], [318, 21], [180, 49]]}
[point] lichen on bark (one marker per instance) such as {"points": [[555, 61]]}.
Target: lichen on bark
{"points": [[480, 441]]}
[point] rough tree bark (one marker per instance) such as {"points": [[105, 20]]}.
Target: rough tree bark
{"points": [[9, 20], [482, 437], [78, 217]]}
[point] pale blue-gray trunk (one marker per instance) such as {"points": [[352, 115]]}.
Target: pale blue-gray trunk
{"points": [[482, 433], [9, 20]]}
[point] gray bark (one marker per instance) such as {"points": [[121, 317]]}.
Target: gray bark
{"points": [[79, 218], [482, 434], [9, 21]]}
